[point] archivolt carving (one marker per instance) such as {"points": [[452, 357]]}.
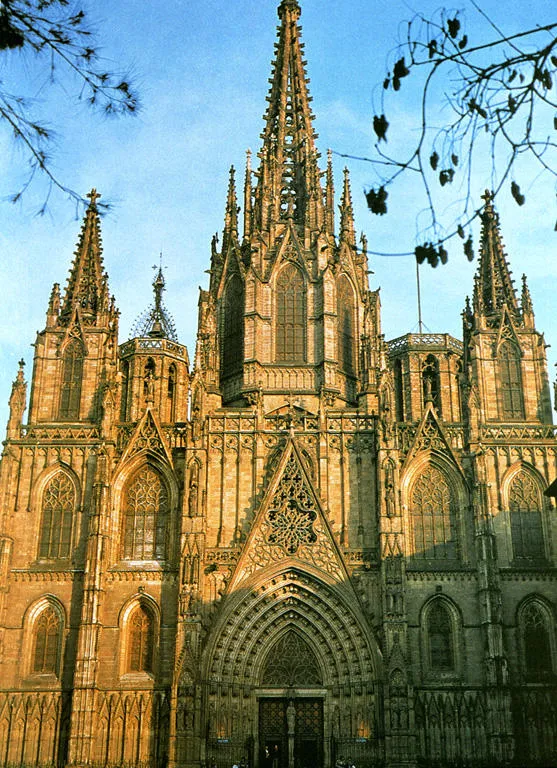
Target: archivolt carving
{"points": [[321, 617]]}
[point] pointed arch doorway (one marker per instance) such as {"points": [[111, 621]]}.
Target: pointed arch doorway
{"points": [[290, 706]]}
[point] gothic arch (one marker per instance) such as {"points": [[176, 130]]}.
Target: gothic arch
{"points": [[290, 315], [292, 600], [522, 494], [140, 603], [432, 473], [121, 482], [441, 638], [72, 357], [46, 660], [537, 644], [57, 497], [511, 395]]}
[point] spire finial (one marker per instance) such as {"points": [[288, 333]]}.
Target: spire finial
{"points": [[156, 321], [93, 196], [289, 5]]}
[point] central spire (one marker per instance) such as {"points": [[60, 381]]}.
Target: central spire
{"points": [[288, 178]]}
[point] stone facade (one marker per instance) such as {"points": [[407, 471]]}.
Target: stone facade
{"points": [[315, 547]]}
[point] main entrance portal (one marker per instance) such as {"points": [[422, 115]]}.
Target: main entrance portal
{"points": [[290, 733]]}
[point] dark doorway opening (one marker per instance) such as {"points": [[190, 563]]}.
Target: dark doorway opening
{"points": [[291, 741]]}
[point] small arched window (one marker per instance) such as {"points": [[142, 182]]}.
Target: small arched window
{"points": [[430, 382], [512, 402], [525, 505], [141, 640], [291, 316], [536, 643], [46, 642], [440, 638], [233, 327], [72, 377], [58, 504], [433, 517], [145, 517], [345, 320]]}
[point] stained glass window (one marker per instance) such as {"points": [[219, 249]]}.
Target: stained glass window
{"points": [[72, 375], [537, 645], [512, 403], [440, 638], [46, 642], [57, 514], [291, 662], [145, 517], [233, 326], [345, 319], [433, 516], [291, 316], [526, 521], [140, 640]]}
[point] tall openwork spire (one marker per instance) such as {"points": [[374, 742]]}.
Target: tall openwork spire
{"points": [[156, 321], [493, 287], [347, 229], [288, 178], [87, 287]]}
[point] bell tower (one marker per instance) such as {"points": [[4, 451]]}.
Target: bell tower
{"points": [[291, 308], [504, 353], [75, 355]]}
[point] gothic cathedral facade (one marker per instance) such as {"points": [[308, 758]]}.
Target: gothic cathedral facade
{"points": [[313, 546]]}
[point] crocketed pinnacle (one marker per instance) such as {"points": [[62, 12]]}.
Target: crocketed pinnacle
{"points": [[156, 321], [230, 233], [288, 177], [493, 287], [87, 287], [347, 228]]}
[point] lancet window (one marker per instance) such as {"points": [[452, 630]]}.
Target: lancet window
{"points": [[72, 376], [58, 504], [433, 517], [171, 393], [345, 319], [440, 638], [125, 390], [233, 326], [141, 640], [145, 517], [291, 316], [46, 642], [536, 643], [525, 504], [512, 401], [399, 390]]}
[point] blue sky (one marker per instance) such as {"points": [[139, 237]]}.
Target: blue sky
{"points": [[202, 71]]}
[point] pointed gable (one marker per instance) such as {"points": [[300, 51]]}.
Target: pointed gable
{"points": [[147, 438], [290, 525], [430, 436]]}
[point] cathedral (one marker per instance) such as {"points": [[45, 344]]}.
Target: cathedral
{"points": [[307, 547]]}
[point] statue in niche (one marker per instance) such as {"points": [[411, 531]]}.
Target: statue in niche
{"points": [[390, 504], [194, 490]]}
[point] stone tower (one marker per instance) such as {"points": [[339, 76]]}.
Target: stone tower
{"points": [[316, 548]]}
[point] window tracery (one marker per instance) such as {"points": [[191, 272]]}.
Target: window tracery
{"points": [[525, 504], [145, 517], [46, 644], [58, 505], [292, 512], [433, 517], [291, 316], [291, 662], [512, 402], [72, 376]]}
